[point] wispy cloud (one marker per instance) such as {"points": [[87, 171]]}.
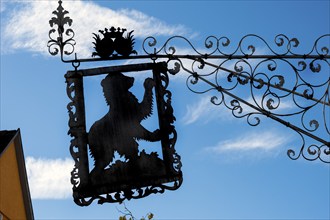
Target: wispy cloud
{"points": [[204, 110], [49, 178], [27, 26], [265, 141], [282, 106]]}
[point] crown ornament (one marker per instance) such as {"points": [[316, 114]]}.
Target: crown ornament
{"points": [[112, 40]]}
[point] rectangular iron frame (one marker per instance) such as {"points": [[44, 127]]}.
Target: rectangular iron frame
{"points": [[83, 192]]}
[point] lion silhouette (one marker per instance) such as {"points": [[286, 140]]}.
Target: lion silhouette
{"points": [[121, 127]]}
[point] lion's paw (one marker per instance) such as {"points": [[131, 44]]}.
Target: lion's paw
{"points": [[149, 83]]}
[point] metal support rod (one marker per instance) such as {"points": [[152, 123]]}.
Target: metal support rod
{"points": [[206, 56], [267, 113], [268, 84], [111, 69]]}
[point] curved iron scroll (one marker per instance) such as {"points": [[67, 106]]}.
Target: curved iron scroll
{"points": [[63, 42], [281, 85]]}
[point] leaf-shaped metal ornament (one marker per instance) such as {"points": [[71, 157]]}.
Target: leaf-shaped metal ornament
{"points": [[230, 77], [295, 42], [176, 68], [307, 95], [271, 67], [316, 68], [226, 42], [234, 102], [281, 81], [209, 44], [325, 50], [243, 80], [269, 104], [252, 48], [302, 64], [260, 82], [279, 40], [315, 124]]}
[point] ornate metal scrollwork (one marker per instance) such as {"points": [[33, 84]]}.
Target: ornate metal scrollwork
{"points": [[116, 182], [113, 40], [252, 78], [77, 131], [282, 85], [63, 42]]}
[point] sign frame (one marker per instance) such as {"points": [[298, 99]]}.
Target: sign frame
{"points": [[85, 191]]}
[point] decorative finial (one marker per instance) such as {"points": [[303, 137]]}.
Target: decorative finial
{"points": [[65, 37]]}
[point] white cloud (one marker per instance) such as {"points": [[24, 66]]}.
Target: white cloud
{"points": [[49, 178], [265, 141], [284, 105], [28, 25], [203, 110]]}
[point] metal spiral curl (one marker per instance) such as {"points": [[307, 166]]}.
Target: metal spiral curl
{"points": [[311, 152], [246, 46], [262, 76], [149, 46], [73, 120], [129, 194]]}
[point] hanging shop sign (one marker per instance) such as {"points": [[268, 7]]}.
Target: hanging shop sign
{"points": [[139, 172], [119, 131], [219, 67]]}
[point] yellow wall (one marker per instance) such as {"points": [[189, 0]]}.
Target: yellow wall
{"points": [[3, 216], [11, 196]]}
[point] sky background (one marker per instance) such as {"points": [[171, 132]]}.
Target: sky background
{"points": [[230, 169]]}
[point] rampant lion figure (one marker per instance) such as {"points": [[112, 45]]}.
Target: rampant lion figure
{"points": [[119, 129]]}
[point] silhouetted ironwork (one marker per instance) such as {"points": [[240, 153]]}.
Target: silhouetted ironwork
{"points": [[64, 42], [141, 173], [251, 78], [113, 40], [260, 76]]}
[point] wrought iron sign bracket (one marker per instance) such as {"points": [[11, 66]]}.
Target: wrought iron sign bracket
{"points": [[286, 86]]}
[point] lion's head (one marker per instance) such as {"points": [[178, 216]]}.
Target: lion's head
{"points": [[115, 85]]}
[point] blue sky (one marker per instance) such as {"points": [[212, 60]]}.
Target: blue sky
{"points": [[231, 170]]}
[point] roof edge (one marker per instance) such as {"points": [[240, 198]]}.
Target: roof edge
{"points": [[6, 138], [23, 176]]}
